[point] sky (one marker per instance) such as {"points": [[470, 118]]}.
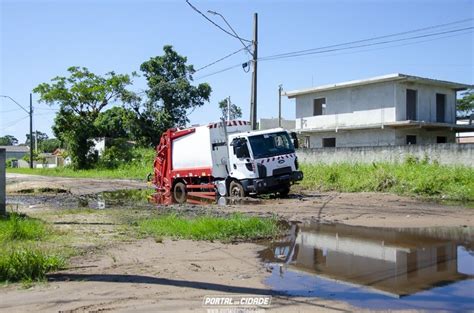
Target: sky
{"points": [[40, 39]]}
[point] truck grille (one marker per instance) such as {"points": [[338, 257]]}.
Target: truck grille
{"points": [[282, 171]]}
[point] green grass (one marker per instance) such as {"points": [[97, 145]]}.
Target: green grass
{"points": [[409, 178], [139, 168], [19, 227], [27, 264], [233, 227], [23, 254]]}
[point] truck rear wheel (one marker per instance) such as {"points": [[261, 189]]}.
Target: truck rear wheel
{"points": [[236, 190], [179, 192]]}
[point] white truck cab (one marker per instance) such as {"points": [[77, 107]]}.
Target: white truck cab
{"points": [[262, 161]]}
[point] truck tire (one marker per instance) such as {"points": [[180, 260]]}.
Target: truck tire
{"points": [[236, 190], [284, 192], [179, 192]]}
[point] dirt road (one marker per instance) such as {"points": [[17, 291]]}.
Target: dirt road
{"points": [[144, 275], [358, 209]]}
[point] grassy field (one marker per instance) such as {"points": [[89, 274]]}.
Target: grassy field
{"points": [[408, 178], [23, 255], [412, 177], [138, 168], [234, 227]]}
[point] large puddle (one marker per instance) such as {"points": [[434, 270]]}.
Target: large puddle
{"points": [[422, 269]]}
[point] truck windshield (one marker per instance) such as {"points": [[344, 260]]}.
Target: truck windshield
{"points": [[267, 145]]}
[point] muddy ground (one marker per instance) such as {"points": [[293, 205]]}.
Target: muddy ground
{"points": [[119, 273]]}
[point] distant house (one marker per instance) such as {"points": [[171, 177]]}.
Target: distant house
{"points": [[49, 160], [16, 152], [466, 137], [395, 109]]}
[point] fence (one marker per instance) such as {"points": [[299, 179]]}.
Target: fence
{"points": [[449, 154]]}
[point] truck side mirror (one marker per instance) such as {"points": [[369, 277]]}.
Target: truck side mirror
{"points": [[295, 140]]}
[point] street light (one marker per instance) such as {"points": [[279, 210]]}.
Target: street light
{"points": [[30, 113]]}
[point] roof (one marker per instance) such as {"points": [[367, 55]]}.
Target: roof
{"points": [[379, 79], [16, 148]]}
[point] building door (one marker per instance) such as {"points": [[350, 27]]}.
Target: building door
{"points": [[411, 104], [440, 107]]}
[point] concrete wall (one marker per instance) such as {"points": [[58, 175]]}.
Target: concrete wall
{"points": [[269, 123], [355, 138], [426, 102], [423, 136], [364, 105], [372, 104], [452, 154], [378, 137]]}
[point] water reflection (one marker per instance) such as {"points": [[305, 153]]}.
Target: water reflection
{"points": [[197, 199], [321, 259]]}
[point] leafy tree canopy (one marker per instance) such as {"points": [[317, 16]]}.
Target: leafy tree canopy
{"points": [[40, 137], [8, 140], [235, 111], [115, 122], [170, 96], [49, 145], [465, 105], [81, 97]]}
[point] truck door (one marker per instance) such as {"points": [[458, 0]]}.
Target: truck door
{"points": [[239, 157]]}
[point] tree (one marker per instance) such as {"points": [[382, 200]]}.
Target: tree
{"points": [[115, 123], [8, 140], [235, 111], [81, 97], [170, 95], [40, 137], [49, 145], [465, 105]]}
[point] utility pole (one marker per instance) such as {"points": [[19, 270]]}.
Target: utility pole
{"points": [[253, 99], [3, 182], [280, 88], [228, 108], [31, 130]]}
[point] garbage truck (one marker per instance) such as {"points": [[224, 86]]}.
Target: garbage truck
{"points": [[224, 159]]}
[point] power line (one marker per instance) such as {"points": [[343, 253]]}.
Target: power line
{"points": [[221, 59], [9, 111], [373, 38], [221, 71], [312, 51], [215, 24], [14, 122], [391, 46]]}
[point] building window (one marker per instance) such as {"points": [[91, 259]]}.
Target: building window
{"points": [[319, 106], [440, 107], [411, 104], [307, 142], [441, 139], [411, 140], [329, 142]]}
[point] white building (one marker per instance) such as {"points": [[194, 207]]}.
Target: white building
{"points": [[394, 109]]}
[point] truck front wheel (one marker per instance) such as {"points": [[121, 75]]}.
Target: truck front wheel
{"points": [[284, 192], [236, 190], [179, 192]]}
